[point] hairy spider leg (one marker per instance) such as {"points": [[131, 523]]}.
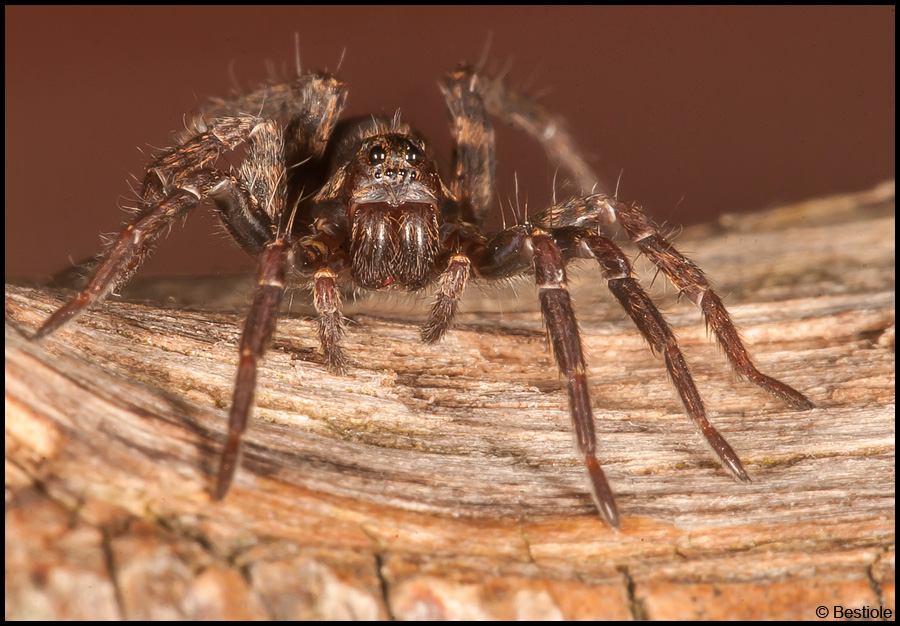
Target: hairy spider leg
{"points": [[473, 167], [653, 326], [690, 281], [600, 210], [314, 103], [529, 249], [470, 98], [175, 183], [570, 231], [565, 341], [259, 326], [522, 112]]}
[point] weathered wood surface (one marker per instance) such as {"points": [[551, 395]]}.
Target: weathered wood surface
{"points": [[441, 481]]}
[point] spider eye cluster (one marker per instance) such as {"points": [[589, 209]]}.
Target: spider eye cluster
{"points": [[406, 149]]}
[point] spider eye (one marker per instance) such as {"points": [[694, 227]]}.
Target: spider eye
{"points": [[413, 154], [377, 155]]}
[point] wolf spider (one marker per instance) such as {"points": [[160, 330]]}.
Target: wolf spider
{"points": [[381, 217]]}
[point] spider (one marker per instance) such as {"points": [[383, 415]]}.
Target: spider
{"points": [[381, 217]]}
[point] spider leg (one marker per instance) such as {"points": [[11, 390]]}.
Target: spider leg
{"points": [[599, 209], [240, 213], [526, 248], [312, 102], [175, 183], [472, 96], [197, 151], [263, 173], [274, 260], [473, 145], [314, 109], [659, 335], [128, 251], [525, 114], [176, 168], [331, 322], [690, 280], [562, 327], [452, 285]]}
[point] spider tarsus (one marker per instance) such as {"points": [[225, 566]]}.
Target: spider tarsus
{"points": [[438, 322], [734, 465], [62, 316], [801, 403], [718, 318], [329, 340], [332, 324], [227, 466], [603, 495], [336, 362], [432, 333], [452, 285], [785, 393], [722, 448]]}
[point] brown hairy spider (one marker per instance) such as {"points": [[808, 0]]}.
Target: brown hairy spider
{"points": [[381, 217]]}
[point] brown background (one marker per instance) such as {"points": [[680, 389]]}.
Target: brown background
{"points": [[704, 110]]}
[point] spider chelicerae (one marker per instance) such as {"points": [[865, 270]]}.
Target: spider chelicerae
{"points": [[381, 217]]}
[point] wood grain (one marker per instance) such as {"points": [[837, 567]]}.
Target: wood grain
{"points": [[441, 481]]}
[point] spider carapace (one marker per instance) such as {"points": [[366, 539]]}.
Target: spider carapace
{"points": [[380, 216]]}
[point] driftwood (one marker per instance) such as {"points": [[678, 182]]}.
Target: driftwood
{"points": [[441, 481]]}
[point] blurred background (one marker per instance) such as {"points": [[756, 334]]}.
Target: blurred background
{"points": [[700, 111]]}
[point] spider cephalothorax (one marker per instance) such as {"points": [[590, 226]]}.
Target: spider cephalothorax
{"points": [[393, 192], [380, 216]]}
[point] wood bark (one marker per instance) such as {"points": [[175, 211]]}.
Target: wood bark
{"points": [[442, 481]]}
